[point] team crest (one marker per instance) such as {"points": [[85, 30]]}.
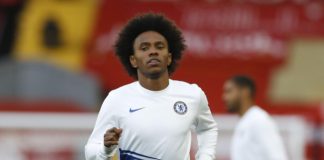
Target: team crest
{"points": [[180, 107]]}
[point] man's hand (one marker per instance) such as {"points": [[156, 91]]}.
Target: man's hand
{"points": [[112, 136]]}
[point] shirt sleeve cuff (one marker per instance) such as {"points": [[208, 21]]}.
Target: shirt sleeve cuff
{"points": [[109, 151], [204, 157]]}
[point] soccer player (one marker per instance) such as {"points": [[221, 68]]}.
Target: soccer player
{"points": [[256, 136], [151, 118]]}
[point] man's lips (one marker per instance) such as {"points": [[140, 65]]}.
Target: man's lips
{"points": [[153, 62]]}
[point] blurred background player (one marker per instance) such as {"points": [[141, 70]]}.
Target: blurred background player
{"points": [[256, 136], [152, 117]]}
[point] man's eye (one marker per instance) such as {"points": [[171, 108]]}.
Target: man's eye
{"points": [[144, 48], [160, 46]]}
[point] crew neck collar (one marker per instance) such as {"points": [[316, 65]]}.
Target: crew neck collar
{"points": [[147, 91]]}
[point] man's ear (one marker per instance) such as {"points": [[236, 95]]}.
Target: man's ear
{"points": [[246, 92], [169, 59], [133, 61]]}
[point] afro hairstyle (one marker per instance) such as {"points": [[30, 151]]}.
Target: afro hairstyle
{"points": [[149, 22]]}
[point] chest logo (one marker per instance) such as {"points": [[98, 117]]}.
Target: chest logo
{"points": [[134, 110], [180, 107]]}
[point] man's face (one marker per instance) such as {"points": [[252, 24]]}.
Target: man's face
{"points": [[232, 97], [151, 55]]}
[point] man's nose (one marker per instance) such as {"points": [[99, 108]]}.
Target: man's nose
{"points": [[153, 52]]}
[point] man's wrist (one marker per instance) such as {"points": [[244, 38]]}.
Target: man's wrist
{"points": [[110, 151], [204, 157]]}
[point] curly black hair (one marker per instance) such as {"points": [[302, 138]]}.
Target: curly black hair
{"points": [[149, 22], [245, 81]]}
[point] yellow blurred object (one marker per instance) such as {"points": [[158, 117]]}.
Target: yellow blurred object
{"points": [[302, 79], [115, 157], [74, 19]]}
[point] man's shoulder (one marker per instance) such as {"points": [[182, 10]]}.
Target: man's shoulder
{"points": [[123, 90], [259, 118], [258, 113], [186, 86]]}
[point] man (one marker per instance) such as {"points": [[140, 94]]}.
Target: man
{"points": [[256, 136], [151, 118]]}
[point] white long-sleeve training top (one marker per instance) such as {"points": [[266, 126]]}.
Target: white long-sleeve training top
{"points": [[257, 137], [156, 124]]}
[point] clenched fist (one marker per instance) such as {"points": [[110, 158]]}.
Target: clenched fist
{"points": [[112, 136]]}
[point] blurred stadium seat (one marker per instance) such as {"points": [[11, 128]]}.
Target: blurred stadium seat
{"points": [[70, 22], [33, 81]]}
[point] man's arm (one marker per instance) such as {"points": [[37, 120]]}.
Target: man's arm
{"points": [[103, 134], [269, 140], [206, 129]]}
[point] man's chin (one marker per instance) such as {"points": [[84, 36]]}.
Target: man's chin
{"points": [[231, 110], [154, 74]]}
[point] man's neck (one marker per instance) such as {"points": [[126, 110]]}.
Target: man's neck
{"points": [[245, 106], [155, 84]]}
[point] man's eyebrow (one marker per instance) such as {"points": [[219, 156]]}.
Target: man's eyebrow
{"points": [[159, 42], [144, 43], [148, 43]]}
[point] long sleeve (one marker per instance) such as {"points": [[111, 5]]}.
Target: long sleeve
{"points": [[95, 149], [269, 140], [207, 132]]}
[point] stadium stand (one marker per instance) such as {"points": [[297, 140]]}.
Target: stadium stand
{"points": [[58, 64], [38, 81]]}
